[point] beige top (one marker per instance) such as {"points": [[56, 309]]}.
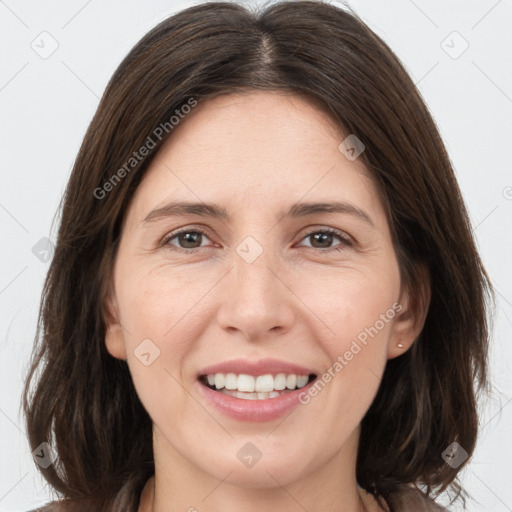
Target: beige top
{"points": [[408, 499]]}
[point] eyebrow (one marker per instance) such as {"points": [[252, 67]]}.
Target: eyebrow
{"points": [[183, 208]]}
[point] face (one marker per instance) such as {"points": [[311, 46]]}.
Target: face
{"points": [[306, 287]]}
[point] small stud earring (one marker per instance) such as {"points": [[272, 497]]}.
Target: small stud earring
{"points": [[400, 345]]}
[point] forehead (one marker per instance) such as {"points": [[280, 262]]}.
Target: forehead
{"points": [[256, 150]]}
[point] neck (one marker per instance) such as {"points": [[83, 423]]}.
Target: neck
{"points": [[366, 503], [179, 485]]}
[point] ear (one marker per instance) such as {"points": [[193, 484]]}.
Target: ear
{"points": [[114, 339], [411, 316]]}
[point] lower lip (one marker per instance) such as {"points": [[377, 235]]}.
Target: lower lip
{"points": [[254, 410]]}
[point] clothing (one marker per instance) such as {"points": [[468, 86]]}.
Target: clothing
{"points": [[408, 499]]}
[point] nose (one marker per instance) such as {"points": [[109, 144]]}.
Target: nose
{"points": [[256, 299]]}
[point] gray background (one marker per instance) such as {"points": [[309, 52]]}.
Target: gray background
{"points": [[47, 101]]}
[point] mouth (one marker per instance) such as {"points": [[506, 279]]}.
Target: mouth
{"points": [[255, 387]]}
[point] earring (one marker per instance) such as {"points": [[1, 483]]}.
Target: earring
{"points": [[400, 345]]}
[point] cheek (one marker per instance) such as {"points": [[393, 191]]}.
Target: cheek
{"points": [[358, 309], [349, 302], [164, 310], [157, 299]]}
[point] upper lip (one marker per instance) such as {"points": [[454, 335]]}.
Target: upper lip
{"points": [[255, 368]]}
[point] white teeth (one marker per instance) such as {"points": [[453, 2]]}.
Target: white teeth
{"points": [[280, 381], [247, 396], [219, 380], [245, 383], [231, 381], [291, 381], [250, 396], [262, 384], [302, 380]]}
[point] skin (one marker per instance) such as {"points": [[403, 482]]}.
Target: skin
{"points": [[300, 301]]}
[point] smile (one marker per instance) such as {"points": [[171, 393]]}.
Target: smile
{"points": [[272, 396], [261, 387]]}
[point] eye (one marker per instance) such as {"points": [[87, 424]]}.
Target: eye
{"points": [[324, 238], [189, 238]]}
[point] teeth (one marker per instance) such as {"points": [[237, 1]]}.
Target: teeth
{"points": [[245, 383], [219, 380], [291, 381], [252, 387], [231, 381], [264, 383], [302, 380], [250, 396], [280, 381]]}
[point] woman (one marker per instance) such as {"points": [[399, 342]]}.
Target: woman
{"points": [[199, 348]]}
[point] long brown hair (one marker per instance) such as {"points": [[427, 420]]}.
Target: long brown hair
{"points": [[82, 401]]}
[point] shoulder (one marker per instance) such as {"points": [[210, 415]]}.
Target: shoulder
{"points": [[411, 499]]}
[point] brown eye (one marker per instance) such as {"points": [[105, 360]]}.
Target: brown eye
{"points": [[186, 239], [322, 239]]}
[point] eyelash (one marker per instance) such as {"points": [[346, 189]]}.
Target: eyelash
{"points": [[325, 231]]}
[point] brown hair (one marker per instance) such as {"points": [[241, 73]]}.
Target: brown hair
{"points": [[82, 401]]}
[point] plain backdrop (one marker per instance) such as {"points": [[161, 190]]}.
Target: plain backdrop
{"points": [[56, 58]]}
